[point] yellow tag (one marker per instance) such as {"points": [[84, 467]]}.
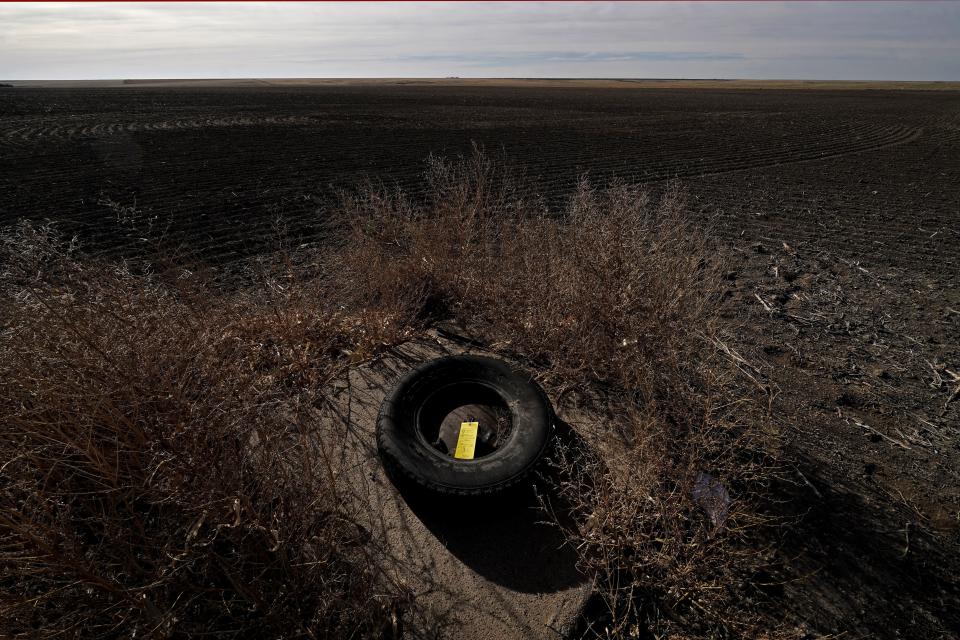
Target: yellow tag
{"points": [[466, 441]]}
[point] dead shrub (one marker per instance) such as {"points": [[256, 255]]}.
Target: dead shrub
{"points": [[616, 301], [615, 279], [155, 478]]}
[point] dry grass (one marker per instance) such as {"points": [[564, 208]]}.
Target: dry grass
{"points": [[156, 476], [612, 289], [616, 302]]}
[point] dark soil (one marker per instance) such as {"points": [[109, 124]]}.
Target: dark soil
{"points": [[842, 210]]}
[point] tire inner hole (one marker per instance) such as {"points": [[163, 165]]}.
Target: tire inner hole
{"points": [[444, 413]]}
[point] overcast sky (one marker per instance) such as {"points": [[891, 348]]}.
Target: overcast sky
{"points": [[813, 40]]}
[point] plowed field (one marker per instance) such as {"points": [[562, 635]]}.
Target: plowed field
{"points": [[841, 208], [873, 174]]}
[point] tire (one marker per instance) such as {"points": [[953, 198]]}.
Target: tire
{"points": [[406, 420]]}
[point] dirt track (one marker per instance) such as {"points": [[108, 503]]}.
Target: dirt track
{"points": [[854, 323]]}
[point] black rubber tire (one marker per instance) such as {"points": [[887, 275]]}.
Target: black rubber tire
{"points": [[404, 451]]}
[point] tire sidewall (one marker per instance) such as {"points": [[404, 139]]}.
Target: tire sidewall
{"points": [[405, 451]]}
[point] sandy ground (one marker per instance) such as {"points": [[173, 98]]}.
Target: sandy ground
{"points": [[479, 569]]}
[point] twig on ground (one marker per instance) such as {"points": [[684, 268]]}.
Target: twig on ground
{"points": [[899, 443], [953, 395], [764, 303], [809, 484]]}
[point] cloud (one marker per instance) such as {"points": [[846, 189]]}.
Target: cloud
{"points": [[866, 40]]}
